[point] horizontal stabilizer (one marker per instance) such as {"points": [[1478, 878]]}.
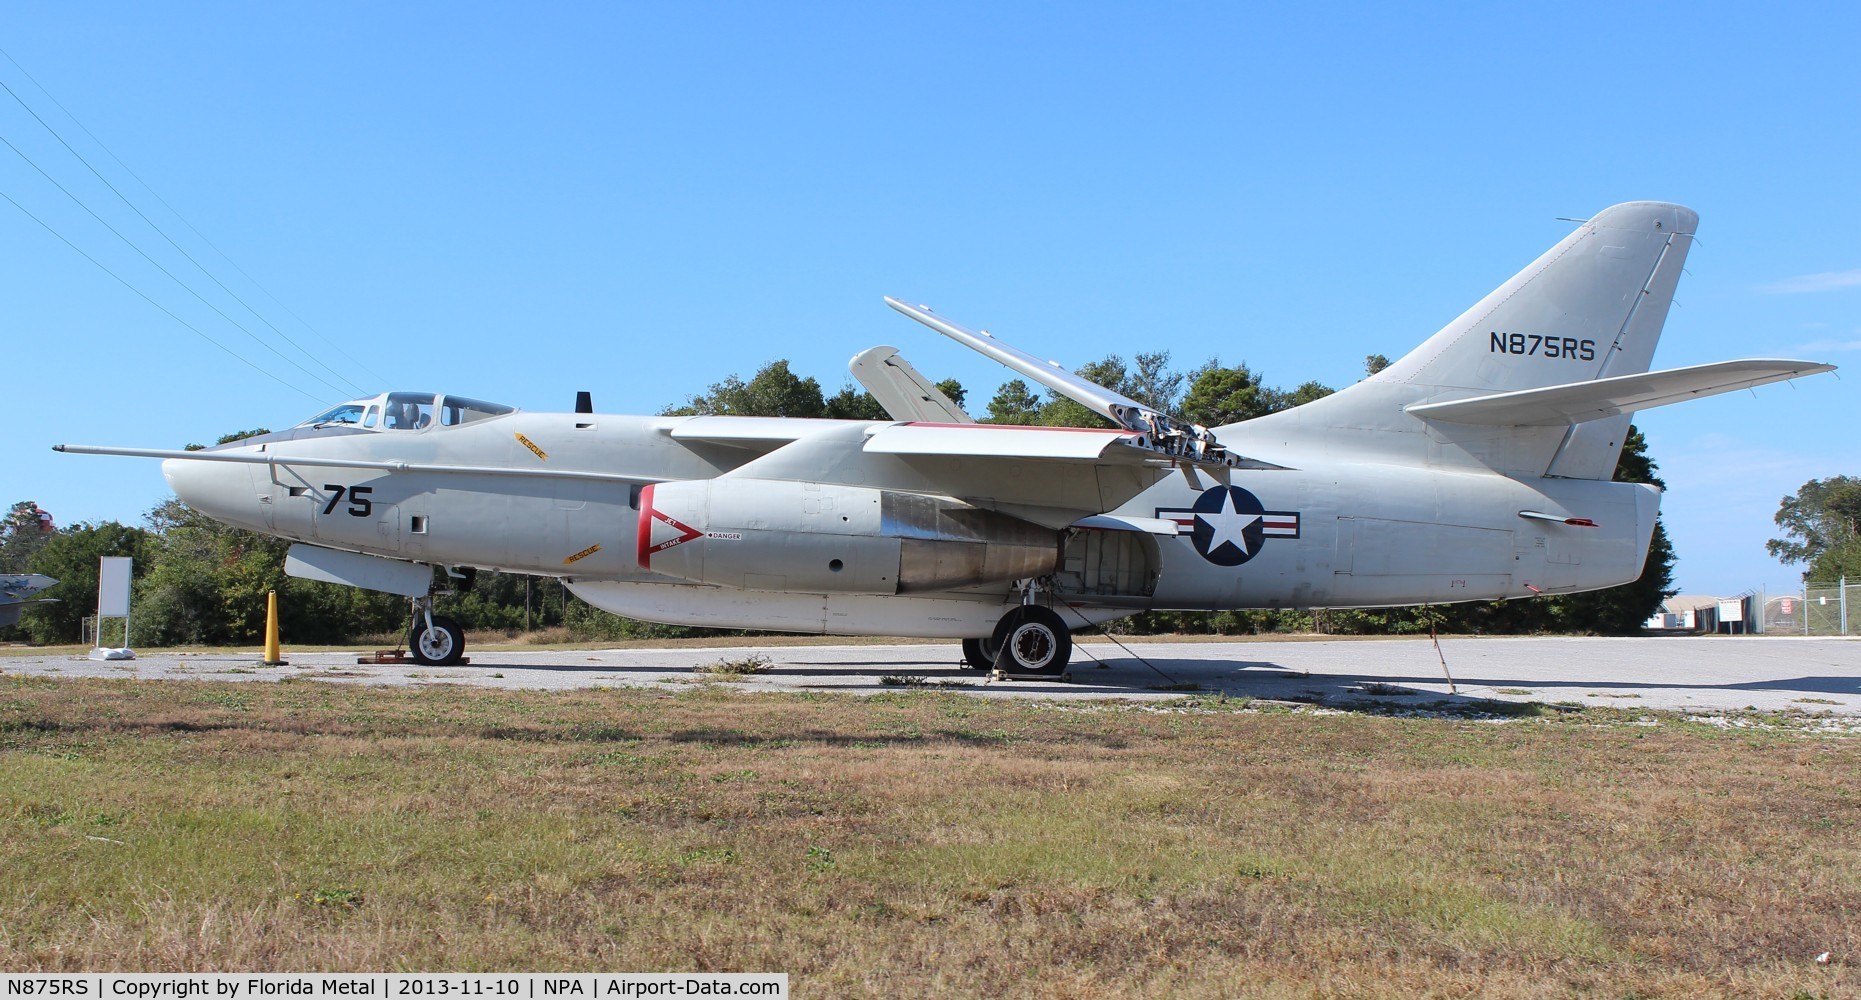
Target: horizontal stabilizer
{"points": [[1578, 402], [898, 387]]}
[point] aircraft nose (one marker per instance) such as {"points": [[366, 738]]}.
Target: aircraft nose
{"points": [[220, 490]]}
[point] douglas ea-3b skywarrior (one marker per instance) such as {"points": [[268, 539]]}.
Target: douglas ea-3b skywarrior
{"points": [[1476, 467]]}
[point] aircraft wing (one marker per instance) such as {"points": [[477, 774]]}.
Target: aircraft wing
{"points": [[984, 441], [1048, 373], [1187, 442], [15, 589], [19, 586], [1049, 475], [1577, 402], [898, 387]]}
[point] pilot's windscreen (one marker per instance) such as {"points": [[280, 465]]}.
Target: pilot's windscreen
{"points": [[347, 413]]}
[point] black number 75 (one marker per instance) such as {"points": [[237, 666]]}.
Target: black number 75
{"points": [[359, 503]]}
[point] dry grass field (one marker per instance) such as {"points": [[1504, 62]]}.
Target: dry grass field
{"points": [[924, 843]]}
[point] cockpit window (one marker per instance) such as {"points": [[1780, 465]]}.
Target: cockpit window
{"points": [[347, 413], [459, 410], [409, 411]]}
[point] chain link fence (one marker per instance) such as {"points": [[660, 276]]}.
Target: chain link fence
{"points": [[115, 631], [1830, 609]]}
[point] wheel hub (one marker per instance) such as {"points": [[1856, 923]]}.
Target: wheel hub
{"points": [[1033, 647], [435, 643]]}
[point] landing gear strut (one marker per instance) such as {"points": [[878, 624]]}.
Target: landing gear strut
{"points": [[435, 640]]}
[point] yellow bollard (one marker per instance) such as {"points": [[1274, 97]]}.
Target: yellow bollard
{"points": [[273, 658]]}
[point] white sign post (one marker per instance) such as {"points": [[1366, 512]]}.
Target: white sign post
{"points": [[113, 602]]}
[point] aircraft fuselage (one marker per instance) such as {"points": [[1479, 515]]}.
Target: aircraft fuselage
{"points": [[1329, 533]]}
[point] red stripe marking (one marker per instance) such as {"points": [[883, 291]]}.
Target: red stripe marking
{"points": [[648, 515], [645, 527]]}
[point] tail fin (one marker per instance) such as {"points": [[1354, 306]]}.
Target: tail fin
{"points": [[1591, 307]]}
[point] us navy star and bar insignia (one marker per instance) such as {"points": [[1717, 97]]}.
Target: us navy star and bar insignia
{"points": [[1228, 525]]}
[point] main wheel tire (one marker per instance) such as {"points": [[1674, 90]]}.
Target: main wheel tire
{"points": [[1032, 640], [441, 645], [979, 654]]}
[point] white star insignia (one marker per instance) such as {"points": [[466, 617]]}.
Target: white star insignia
{"points": [[1228, 525]]}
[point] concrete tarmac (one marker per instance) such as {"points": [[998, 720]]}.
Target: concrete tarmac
{"points": [[1696, 674]]}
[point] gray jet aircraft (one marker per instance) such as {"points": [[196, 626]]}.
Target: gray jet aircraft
{"points": [[1476, 467], [15, 589]]}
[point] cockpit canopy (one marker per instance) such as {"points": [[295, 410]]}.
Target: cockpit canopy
{"points": [[407, 411]]}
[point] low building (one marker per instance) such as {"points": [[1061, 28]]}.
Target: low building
{"points": [[1686, 613]]}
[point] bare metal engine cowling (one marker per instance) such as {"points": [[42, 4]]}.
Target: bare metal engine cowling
{"points": [[764, 534]]}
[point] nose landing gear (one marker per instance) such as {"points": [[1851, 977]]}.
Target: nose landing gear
{"points": [[435, 640]]}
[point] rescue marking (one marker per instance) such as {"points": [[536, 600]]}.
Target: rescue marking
{"points": [[1228, 525], [527, 443], [583, 554]]}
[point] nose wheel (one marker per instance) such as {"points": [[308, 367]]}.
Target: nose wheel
{"points": [[440, 643], [1031, 640], [435, 640]]}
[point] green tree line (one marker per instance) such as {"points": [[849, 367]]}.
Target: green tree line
{"points": [[199, 582], [1822, 529]]}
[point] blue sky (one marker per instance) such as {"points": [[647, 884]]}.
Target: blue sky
{"points": [[517, 203]]}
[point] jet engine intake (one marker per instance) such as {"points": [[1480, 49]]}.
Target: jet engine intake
{"points": [[779, 535]]}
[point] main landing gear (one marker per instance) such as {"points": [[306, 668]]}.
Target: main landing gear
{"points": [[435, 640], [1030, 639]]}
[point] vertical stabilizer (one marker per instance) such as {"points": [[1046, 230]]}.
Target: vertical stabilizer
{"points": [[1590, 307]]}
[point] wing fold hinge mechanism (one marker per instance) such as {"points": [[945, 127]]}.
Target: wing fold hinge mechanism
{"points": [[1177, 440]]}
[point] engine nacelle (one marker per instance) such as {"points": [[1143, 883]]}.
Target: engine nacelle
{"points": [[766, 534]]}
